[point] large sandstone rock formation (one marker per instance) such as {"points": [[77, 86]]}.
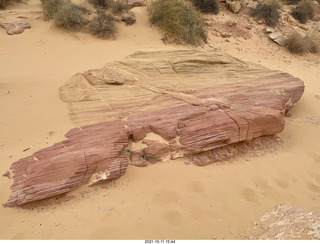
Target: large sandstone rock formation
{"points": [[156, 106], [15, 27]]}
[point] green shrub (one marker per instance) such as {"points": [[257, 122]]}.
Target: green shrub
{"points": [[297, 44], [303, 11], [50, 7], [267, 11], [207, 6], [178, 20], [118, 6], [70, 17], [100, 4], [103, 25]]}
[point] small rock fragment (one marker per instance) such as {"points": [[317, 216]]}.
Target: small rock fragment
{"points": [[278, 38], [233, 6], [7, 174], [209, 23], [250, 4], [225, 35], [231, 23], [260, 21], [269, 30]]}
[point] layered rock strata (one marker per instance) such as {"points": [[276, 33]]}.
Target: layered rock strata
{"points": [[155, 106]]}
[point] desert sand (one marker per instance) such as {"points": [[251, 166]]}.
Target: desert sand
{"points": [[168, 200]]}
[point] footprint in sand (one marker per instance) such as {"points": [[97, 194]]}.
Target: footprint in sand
{"points": [[103, 232], [249, 195], [165, 196], [262, 183], [315, 157], [196, 187], [282, 183], [313, 187], [317, 178], [173, 217]]}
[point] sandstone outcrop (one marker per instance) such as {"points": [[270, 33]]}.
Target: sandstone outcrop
{"points": [[15, 27], [136, 3], [155, 106]]}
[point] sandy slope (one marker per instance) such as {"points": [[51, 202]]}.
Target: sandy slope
{"points": [[166, 200]]}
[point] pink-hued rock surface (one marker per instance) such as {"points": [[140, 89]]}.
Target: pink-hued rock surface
{"points": [[136, 3], [15, 27], [155, 106]]}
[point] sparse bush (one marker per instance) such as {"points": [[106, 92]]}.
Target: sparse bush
{"points": [[103, 25], [129, 18], [5, 3], [118, 6], [100, 4], [268, 11], [178, 20], [313, 46], [50, 7], [70, 17], [297, 44], [304, 11], [292, 2], [207, 6]]}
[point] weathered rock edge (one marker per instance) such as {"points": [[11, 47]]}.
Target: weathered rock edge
{"points": [[155, 106]]}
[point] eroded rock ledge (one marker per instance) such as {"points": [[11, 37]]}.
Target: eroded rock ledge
{"points": [[155, 106]]}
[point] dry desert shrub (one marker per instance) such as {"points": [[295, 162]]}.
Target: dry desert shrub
{"points": [[129, 18], [70, 17], [207, 6], [5, 3], [179, 20], [118, 6], [103, 25], [303, 11], [298, 44], [292, 2], [50, 7], [268, 11], [100, 4]]}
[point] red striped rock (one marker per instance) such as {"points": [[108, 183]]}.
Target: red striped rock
{"points": [[136, 3], [156, 106]]}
